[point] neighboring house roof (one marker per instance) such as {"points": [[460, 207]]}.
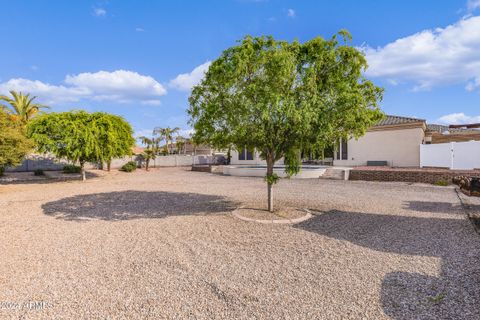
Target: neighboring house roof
{"points": [[437, 128], [137, 150], [442, 128], [390, 120]]}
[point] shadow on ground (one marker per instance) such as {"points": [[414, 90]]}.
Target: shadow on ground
{"points": [[49, 177], [454, 293], [440, 207], [126, 205]]}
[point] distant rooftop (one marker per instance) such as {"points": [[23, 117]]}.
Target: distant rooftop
{"points": [[440, 128]]}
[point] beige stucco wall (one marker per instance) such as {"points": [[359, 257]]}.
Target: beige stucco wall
{"points": [[400, 148]]}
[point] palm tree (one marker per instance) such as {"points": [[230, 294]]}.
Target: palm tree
{"points": [[150, 151], [167, 135], [21, 106], [180, 143]]}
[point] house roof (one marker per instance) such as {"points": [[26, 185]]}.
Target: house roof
{"points": [[442, 128], [437, 128], [390, 120], [137, 150]]}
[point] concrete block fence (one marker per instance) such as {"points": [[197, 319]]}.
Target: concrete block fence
{"points": [[50, 163]]}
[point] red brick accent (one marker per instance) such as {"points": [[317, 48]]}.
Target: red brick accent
{"points": [[424, 175]]}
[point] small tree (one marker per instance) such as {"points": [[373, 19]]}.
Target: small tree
{"points": [[78, 136], [151, 150], [14, 145], [279, 98], [116, 136]]}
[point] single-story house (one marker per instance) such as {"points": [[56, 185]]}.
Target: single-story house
{"points": [[394, 141]]}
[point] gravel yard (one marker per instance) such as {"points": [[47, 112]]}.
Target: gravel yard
{"points": [[163, 244]]}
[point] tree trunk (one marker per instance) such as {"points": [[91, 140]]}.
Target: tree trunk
{"points": [[82, 170], [146, 164], [270, 163], [109, 162]]}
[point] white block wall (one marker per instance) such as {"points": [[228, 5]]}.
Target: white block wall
{"points": [[453, 155]]}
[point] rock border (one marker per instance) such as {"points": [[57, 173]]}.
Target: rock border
{"points": [[307, 216]]}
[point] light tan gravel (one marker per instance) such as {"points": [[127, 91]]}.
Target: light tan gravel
{"points": [[164, 245]]}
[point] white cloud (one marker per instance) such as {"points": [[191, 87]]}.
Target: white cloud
{"points": [[119, 86], [458, 118], [47, 93], [186, 133], [186, 81], [138, 29], [473, 5], [99, 12], [291, 13], [431, 57]]}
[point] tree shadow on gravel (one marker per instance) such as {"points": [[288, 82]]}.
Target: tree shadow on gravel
{"points": [[127, 205], [453, 294], [50, 177], [432, 206]]}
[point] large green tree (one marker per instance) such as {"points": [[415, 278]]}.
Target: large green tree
{"points": [[116, 136], [280, 97], [79, 136], [14, 145], [21, 106]]}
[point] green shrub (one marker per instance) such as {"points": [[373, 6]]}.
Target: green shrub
{"points": [[71, 168], [441, 183], [2, 170], [38, 172], [129, 166]]}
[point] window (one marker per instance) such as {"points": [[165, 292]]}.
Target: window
{"points": [[249, 155], [245, 154], [344, 150], [337, 151], [241, 154]]}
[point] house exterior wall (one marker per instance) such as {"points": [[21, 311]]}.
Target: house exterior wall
{"points": [[256, 159], [399, 147]]}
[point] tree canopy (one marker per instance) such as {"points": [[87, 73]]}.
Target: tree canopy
{"points": [[280, 97], [116, 136], [82, 137], [14, 145]]}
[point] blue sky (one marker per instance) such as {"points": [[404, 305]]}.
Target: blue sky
{"points": [[139, 59]]}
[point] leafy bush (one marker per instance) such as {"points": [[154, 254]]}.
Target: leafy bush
{"points": [[129, 166], [71, 168], [441, 183], [2, 170], [38, 172]]}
